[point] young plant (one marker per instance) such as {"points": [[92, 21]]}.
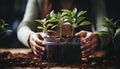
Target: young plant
{"points": [[60, 21], [46, 24], [112, 27], [76, 18]]}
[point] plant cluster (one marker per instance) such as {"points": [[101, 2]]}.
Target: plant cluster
{"points": [[75, 18], [113, 29]]}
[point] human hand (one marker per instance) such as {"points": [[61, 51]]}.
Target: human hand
{"points": [[89, 42], [36, 44]]}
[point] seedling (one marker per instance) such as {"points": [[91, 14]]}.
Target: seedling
{"points": [[113, 29], [56, 18], [46, 24], [76, 18]]}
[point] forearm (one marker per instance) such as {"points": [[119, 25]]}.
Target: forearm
{"points": [[23, 34], [28, 25]]}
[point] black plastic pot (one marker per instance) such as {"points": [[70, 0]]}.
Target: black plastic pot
{"points": [[63, 50]]}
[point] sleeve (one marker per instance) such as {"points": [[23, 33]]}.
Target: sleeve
{"points": [[27, 25], [100, 13]]}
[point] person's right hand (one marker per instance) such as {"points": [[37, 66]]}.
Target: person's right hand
{"points": [[36, 44]]}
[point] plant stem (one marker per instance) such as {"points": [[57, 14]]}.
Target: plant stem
{"points": [[112, 32], [73, 31], [60, 29]]}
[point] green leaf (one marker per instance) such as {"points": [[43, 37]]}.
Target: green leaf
{"points": [[53, 19], [66, 18], [66, 11], [65, 14], [50, 31], [117, 24], [81, 13], [49, 25], [107, 26], [84, 23], [74, 20], [79, 19], [108, 21], [54, 26], [117, 32], [75, 10], [103, 33], [52, 14], [40, 28], [40, 21], [75, 26]]}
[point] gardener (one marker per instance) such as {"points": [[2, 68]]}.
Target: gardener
{"points": [[35, 9]]}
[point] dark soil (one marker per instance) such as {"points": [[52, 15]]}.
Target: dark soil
{"points": [[63, 50], [8, 59]]}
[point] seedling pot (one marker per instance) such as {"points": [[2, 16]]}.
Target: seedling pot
{"points": [[63, 50]]}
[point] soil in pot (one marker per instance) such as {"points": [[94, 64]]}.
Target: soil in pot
{"points": [[63, 50]]}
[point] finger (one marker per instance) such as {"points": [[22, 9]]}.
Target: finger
{"points": [[88, 44], [39, 36], [37, 47], [90, 36], [82, 41], [37, 53], [40, 48], [89, 50], [40, 42], [81, 34]]}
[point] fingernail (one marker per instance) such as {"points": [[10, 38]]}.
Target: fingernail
{"points": [[83, 52], [84, 41], [87, 42], [76, 34], [42, 53], [81, 47], [43, 43], [43, 49]]}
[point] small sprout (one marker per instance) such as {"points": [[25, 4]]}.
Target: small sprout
{"points": [[112, 26], [76, 18], [113, 29], [46, 24]]}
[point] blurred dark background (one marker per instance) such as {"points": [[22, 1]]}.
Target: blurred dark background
{"points": [[12, 12]]}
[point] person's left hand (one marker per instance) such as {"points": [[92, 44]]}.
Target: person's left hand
{"points": [[89, 42]]}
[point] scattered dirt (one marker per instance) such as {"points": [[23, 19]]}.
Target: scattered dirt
{"points": [[7, 59]]}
